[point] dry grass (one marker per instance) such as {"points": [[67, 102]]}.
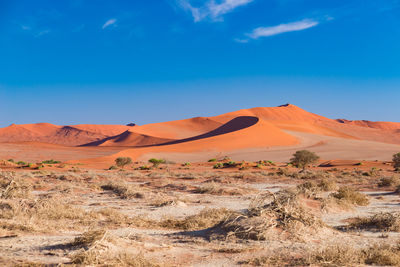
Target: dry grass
{"points": [[205, 219], [380, 222], [270, 211], [214, 188], [124, 190], [99, 250], [14, 188], [89, 238], [335, 255], [389, 181], [312, 188], [349, 195]]}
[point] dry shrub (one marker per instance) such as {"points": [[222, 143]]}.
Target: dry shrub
{"points": [[205, 219], [124, 190], [216, 189], [269, 211], [389, 181], [381, 222], [397, 189], [349, 195]]}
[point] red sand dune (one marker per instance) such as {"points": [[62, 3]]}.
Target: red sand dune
{"points": [[263, 128]]}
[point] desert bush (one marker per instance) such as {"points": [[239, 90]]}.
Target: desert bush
{"points": [[186, 164], [349, 195], [212, 160], [303, 158], [381, 222], [123, 161], [156, 162]]}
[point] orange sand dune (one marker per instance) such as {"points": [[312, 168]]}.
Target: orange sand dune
{"points": [[381, 125], [239, 133]]}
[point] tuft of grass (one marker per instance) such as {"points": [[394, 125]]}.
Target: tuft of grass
{"points": [[216, 189], [124, 190], [205, 219], [212, 160], [351, 196], [14, 188], [89, 238]]}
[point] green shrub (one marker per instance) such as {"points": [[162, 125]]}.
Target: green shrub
{"points": [[212, 160], [122, 161], [218, 165], [303, 158], [113, 167], [156, 162], [51, 161], [186, 164]]}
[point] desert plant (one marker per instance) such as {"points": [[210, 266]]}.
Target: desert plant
{"points": [[51, 161], [212, 160], [113, 167], [218, 165], [156, 162], [122, 161], [303, 158], [396, 161]]}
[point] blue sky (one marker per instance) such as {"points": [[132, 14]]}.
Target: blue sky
{"points": [[117, 61]]}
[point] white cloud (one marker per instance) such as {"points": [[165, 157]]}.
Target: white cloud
{"points": [[211, 9], [109, 23], [282, 28]]}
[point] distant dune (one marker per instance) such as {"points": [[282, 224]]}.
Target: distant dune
{"points": [[244, 131]]}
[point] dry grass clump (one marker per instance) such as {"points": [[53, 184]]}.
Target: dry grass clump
{"points": [[99, 250], [214, 188], [14, 188], [124, 190], [380, 222], [349, 195], [312, 188], [205, 219], [389, 181], [269, 211], [89, 238]]}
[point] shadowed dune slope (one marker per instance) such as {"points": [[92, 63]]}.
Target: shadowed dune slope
{"points": [[129, 138]]}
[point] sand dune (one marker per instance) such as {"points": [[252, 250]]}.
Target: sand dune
{"points": [[256, 131]]}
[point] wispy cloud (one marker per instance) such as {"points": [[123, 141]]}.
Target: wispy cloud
{"points": [[211, 9], [282, 28], [109, 23], [279, 29]]}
